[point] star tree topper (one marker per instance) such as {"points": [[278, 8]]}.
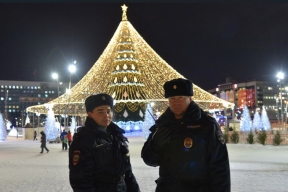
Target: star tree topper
{"points": [[124, 9]]}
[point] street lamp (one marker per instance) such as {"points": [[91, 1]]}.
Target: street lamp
{"points": [[72, 69], [16, 126], [55, 76], [280, 76]]}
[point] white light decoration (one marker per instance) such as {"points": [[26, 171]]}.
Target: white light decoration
{"points": [[125, 114], [133, 67]]}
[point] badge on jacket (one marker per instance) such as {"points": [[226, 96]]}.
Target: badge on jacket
{"points": [[220, 136], [76, 157], [188, 142]]}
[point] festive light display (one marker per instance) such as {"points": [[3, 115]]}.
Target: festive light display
{"points": [[3, 132], [132, 73], [257, 122], [265, 120], [246, 122]]}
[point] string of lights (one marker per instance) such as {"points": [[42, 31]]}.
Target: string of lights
{"points": [[132, 73]]}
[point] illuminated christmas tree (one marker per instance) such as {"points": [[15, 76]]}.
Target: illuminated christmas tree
{"points": [[257, 122], [148, 122], [265, 120], [3, 132], [50, 128], [27, 120], [245, 124], [73, 125], [133, 74]]}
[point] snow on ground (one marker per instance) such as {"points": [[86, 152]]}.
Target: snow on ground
{"points": [[254, 168]]}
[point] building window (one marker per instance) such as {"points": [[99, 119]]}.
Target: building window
{"points": [[9, 98], [270, 88], [2, 98], [46, 95], [39, 95], [13, 87], [21, 87], [2, 86]]}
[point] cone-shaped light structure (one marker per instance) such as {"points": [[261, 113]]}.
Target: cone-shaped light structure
{"points": [[132, 73]]}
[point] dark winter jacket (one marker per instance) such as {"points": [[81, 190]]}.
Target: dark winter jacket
{"points": [[99, 160], [202, 167], [43, 139]]}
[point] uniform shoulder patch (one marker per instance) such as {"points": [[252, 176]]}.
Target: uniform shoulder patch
{"points": [[220, 136], [76, 157]]}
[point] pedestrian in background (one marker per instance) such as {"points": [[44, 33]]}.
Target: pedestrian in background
{"points": [[43, 142], [65, 142], [187, 145], [35, 136], [69, 136], [62, 139]]}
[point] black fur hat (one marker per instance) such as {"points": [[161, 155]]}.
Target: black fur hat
{"points": [[178, 87], [94, 101]]}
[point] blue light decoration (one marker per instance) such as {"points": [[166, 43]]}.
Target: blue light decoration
{"points": [[50, 128], [3, 132], [246, 123]]}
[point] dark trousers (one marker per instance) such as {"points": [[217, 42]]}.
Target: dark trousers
{"points": [[44, 148], [64, 146], [69, 143], [35, 138]]}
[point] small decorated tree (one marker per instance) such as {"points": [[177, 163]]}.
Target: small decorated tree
{"points": [[257, 123], [73, 125], [50, 125], [261, 137], [27, 120], [277, 140], [3, 132], [148, 122], [265, 120], [245, 124], [250, 138], [234, 138]]}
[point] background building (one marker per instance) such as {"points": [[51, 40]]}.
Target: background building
{"points": [[254, 94], [16, 96]]}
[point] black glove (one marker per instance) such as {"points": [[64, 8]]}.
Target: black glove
{"points": [[160, 138]]}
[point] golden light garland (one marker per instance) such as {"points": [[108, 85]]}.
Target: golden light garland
{"points": [[132, 73]]}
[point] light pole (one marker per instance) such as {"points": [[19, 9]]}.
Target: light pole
{"points": [[38, 117], [55, 76], [280, 76], [72, 69]]}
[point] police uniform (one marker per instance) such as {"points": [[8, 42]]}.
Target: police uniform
{"points": [[99, 158], [195, 157]]}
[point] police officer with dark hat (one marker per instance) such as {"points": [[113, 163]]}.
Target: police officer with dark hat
{"points": [[187, 145], [99, 158]]}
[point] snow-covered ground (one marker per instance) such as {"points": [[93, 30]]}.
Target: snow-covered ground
{"points": [[23, 169]]}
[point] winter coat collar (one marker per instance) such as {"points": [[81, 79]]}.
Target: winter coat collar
{"points": [[193, 113], [113, 129]]}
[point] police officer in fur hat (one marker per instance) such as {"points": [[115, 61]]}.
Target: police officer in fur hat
{"points": [[187, 145], [99, 158]]}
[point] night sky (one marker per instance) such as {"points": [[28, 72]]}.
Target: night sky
{"points": [[205, 42]]}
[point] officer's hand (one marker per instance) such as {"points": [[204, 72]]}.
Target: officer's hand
{"points": [[160, 138]]}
